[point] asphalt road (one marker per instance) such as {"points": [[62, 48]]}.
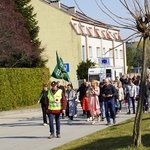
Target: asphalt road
{"points": [[23, 129]]}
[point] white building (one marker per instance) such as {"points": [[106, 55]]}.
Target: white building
{"points": [[76, 37]]}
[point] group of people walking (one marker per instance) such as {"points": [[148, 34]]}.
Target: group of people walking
{"points": [[99, 100], [56, 101]]}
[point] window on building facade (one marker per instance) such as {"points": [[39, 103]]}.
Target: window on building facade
{"points": [[98, 52], [116, 53], [90, 52], [83, 53], [121, 54]]}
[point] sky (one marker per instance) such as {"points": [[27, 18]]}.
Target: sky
{"points": [[91, 9]]}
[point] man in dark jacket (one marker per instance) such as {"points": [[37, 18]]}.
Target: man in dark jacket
{"points": [[109, 93]]}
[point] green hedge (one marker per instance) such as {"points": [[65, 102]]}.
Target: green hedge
{"points": [[21, 87]]}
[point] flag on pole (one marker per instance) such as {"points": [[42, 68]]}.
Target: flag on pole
{"points": [[56, 73], [59, 70], [60, 64], [65, 74]]}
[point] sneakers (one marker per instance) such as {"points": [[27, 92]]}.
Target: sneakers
{"points": [[51, 136], [88, 119], [98, 119], [108, 123], [129, 112], [93, 122], [75, 115], [58, 135], [102, 119], [45, 124], [114, 121]]}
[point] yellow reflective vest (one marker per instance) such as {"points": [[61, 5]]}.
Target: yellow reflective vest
{"points": [[55, 100]]}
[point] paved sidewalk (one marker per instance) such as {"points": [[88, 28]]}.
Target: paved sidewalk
{"points": [[23, 130]]}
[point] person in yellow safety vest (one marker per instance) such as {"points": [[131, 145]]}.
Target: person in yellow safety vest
{"points": [[56, 104]]}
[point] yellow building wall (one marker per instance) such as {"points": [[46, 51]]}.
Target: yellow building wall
{"points": [[57, 34]]}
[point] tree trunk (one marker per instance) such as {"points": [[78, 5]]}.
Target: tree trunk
{"points": [[138, 118]]}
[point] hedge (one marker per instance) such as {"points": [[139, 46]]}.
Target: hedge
{"points": [[21, 87]]}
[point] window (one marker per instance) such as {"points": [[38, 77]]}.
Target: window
{"points": [[90, 51], [121, 54], [83, 53], [116, 53], [98, 51]]}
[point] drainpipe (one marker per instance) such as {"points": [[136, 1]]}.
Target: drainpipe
{"points": [[86, 44], [114, 64], [124, 57]]}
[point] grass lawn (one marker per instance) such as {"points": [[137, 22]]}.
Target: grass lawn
{"points": [[117, 137]]}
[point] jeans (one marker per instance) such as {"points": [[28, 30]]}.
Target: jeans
{"points": [[120, 105], [51, 123], [131, 100], [110, 106], [102, 109]]}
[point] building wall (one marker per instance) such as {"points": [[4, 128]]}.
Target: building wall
{"points": [[56, 34], [69, 37]]}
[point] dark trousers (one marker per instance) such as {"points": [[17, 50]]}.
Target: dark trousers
{"points": [[71, 117], [88, 114], [51, 123], [44, 113], [102, 109], [110, 106], [120, 105]]}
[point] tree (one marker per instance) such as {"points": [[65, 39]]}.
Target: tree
{"points": [[82, 71], [139, 22], [129, 51], [16, 48], [135, 57], [26, 9]]}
